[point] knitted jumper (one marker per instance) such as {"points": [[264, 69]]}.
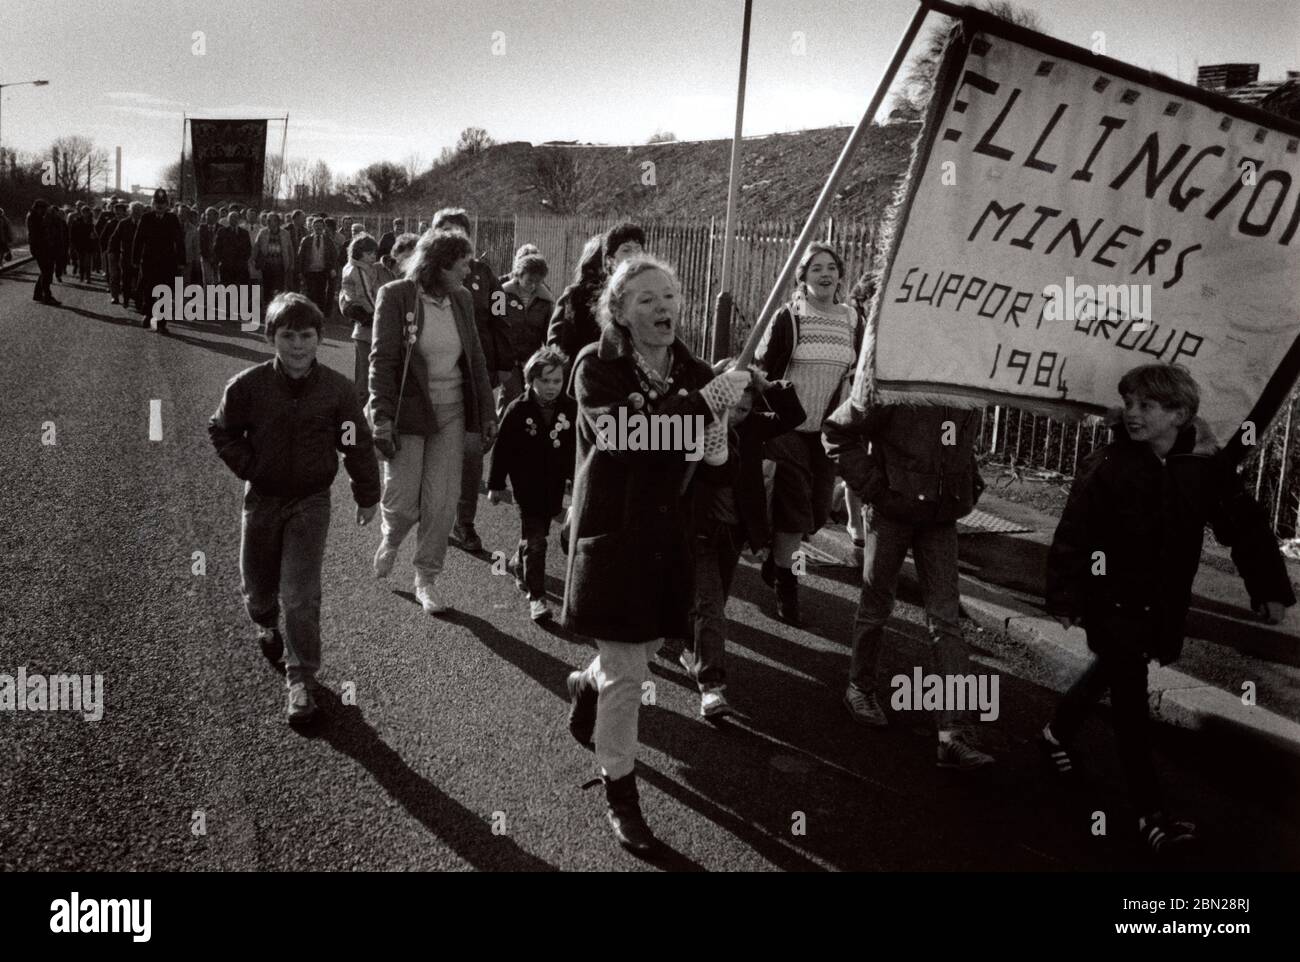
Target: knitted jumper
{"points": [[821, 358]]}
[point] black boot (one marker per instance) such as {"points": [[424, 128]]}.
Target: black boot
{"points": [[787, 597], [768, 571], [582, 710], [625, 818]]}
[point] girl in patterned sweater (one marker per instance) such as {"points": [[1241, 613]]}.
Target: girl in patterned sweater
{"points": [[813, 343]]}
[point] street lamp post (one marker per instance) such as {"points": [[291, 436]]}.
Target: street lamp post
{"points": [[34, 83]]}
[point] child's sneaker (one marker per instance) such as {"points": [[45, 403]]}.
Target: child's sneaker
{"points": [[1056, 753], [958, 753], [512, 568], [302, 706], [1164, 836], [713, 704], [538, 609], [864, 707], [385, 558], [429, 600]]}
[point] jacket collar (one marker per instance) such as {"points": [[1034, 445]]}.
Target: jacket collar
{"points": [[297, 382], [542, 293]]}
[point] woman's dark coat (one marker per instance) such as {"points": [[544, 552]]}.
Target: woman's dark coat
{"points": [[630, 576]]}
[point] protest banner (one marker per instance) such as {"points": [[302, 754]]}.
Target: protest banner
{"points": [[229, 156], [1068, 217]]}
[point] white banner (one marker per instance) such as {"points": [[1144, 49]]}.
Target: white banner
{"points": [[1070, 222]]}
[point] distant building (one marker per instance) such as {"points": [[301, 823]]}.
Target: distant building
{"points": [[1239, 82], [1222, 76]]}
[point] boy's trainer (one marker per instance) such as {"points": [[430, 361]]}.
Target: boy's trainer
{"points": [[864, 707], [957, 753]]}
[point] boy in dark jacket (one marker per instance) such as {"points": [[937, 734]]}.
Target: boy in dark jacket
{"points": [[1123, 560], [535, 449], [279, 427], [914, 467], [729, 511]]}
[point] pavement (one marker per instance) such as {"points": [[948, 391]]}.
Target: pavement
{"points": [[22, 257], [443, 744]]}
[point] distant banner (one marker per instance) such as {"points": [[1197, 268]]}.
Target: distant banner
{"points": [[1069, 217], [229, 156]]}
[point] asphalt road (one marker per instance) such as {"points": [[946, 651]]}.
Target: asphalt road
{"points": [[455, 754]]}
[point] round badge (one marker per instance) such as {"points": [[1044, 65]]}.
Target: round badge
{"points": [[474, 285]]}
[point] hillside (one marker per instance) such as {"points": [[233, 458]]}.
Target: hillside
{"points": [[781, 175]]}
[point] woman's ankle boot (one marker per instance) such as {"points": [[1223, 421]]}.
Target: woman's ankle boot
{"points": [[787, 597], [624, 815]]}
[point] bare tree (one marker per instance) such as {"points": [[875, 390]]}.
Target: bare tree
{"points": [[557, 179], [377, 185], [296, 173], [662, 137], [271, 177], [918, 81], [320, 180], [77, 161], [473, 140], [171, 177], [414, 166]]}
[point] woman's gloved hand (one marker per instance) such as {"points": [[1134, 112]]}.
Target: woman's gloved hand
{"points": [[724, 391], [715, 441]]}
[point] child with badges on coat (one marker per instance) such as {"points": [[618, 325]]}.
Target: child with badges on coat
{"points": [[535, 450]]}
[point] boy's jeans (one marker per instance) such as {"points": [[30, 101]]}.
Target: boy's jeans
{"points": [[282, 547], [715, 549], [1122, 670], [531, 556], [934, 549]]}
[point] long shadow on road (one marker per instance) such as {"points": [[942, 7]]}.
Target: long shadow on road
{"points": [[344, 728], [230, 350]]}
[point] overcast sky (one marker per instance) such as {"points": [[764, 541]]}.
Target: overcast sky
{"points": [[366, 81]]}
